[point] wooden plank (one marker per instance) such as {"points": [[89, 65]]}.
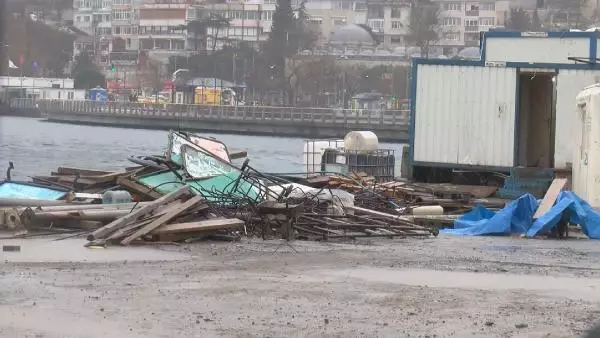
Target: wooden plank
{"points": [[146, 209], [235, 155], [551, 194], [206, 225], [138, 189], [172, 213], [75, 171]]}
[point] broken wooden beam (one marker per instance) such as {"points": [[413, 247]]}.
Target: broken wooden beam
{"points": [[169, 215], [134, 215], [205, 225]]}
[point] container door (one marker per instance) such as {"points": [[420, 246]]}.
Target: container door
{"points": [[569, 83]]}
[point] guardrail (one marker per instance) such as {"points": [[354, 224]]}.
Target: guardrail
{"points": [[387, 118], [22, 103]]}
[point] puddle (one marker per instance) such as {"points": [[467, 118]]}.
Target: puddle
{"points": [[72, 250], [586, 288]]}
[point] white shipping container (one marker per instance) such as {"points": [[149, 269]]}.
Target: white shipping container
{"points": [[465, 115], [586, 163]]}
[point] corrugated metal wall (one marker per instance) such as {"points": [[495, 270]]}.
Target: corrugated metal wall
{"points": [[536, 50], [465, 115], [569, 83]]}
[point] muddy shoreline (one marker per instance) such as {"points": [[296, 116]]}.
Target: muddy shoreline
{"points": [[445, 286]]}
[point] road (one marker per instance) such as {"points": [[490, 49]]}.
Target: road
{"points": [[438, 287]]}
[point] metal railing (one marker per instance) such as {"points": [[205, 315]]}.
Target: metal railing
{"points": [[231, 113], [22, 103]]}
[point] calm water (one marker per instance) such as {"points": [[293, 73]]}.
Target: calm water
{"points": [[38, 147]]}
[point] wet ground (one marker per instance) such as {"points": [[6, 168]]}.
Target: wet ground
{"points": [[447, 286]]}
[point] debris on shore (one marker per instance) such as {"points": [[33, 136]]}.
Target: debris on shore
{"points": [[194, 192]]}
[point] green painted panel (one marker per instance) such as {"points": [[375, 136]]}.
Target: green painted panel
{"points": [[166, 182]]}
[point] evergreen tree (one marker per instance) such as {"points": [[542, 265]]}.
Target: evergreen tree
{"points": [[519, 20], [85, 74]]}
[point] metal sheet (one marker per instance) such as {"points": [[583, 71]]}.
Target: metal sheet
{"points": [[568, 84], [465, 115], [536, 50]]}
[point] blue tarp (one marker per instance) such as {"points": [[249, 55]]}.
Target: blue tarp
{"points": [[517, 218]]}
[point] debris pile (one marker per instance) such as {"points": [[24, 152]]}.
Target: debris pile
{"points": [[193, 191], [167, 219]]}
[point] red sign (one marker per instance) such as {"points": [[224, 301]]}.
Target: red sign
{"points": [[168, 86]]}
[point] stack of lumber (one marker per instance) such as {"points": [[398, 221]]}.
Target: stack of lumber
{"points": [[177, 215], [83, 180], [359, 222]]}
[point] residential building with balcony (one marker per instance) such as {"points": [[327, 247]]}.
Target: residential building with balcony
{"points": [[160, 28], [329, 15], [93, 17], [462, 21], [248, 21], [389, 21]]}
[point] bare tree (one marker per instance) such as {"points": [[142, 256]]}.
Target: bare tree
{"points": [[423, 29], [571, 12]]}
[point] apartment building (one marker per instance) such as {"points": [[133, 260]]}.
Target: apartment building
{"points": [[249, 21], [462, 21], [92, 16], [161, 28], [329, 15], [389, 20]]}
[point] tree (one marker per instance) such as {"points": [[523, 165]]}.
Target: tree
{"points": [[197, 28], [423, 25], [85, 74], [289, 34], [570, 12], [519, 20], [216, 23]]}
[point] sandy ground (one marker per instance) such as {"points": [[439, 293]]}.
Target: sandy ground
{"points": [[445, 286]]}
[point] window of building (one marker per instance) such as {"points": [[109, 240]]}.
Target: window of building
{"points": [[396, 40], [471, 22], [451, 21], [453, 6], [488, 6], [472, 7], [117, 30], [121, 15], [376, 25], [338, 21], [396, 12], [315, 20], [78, 18], [70, 95], [268, 15], [86, 18], [452, 37], [343, 4], [486, 21], [397, 24], [375, 12]]}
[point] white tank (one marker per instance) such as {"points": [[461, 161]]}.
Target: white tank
{"points": [[363, 141], [586, 158]]}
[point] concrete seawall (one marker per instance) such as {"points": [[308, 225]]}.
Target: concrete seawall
{"points": [[389, 126]]}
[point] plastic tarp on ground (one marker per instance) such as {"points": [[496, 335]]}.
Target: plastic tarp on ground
{"points": [[517, 218]]}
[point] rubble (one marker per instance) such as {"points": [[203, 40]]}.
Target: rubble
{"points": [[193, 192]]}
